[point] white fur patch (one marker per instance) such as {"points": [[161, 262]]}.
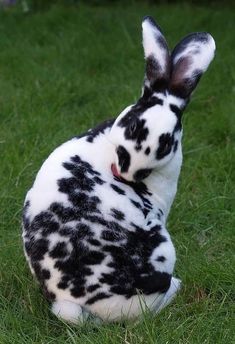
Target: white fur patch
{"points": [[151, 34], [200, 53], [68, 311]]}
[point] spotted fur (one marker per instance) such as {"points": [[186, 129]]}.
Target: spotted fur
{"points": [[94, 220]]}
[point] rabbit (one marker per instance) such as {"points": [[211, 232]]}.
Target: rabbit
{"points": [[94, 221]]}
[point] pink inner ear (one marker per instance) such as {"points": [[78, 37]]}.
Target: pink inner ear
{"points": [[183, 79], [114, 170], [181, 70]]}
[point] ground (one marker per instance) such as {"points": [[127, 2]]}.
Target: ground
{"points": [[63, 70]]}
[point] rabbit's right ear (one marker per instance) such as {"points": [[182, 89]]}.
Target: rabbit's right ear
{"points": [[156, 55], [190, 59]]}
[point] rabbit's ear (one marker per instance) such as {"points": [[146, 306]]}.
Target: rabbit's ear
{"points": [[190, 59], [156, 55]]}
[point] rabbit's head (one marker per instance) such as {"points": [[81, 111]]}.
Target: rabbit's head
{"points": [[147, 134]]}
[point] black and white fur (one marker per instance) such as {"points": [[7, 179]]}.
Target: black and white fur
{"points": [[94, 221]]}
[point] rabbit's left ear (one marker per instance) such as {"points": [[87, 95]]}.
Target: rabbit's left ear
{"points": [[190, 59], [156, 55]]}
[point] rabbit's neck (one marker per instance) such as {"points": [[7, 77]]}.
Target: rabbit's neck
{"points": [[163, 183]]}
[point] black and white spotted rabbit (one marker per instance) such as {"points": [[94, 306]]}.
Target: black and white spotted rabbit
{"points": [[94, 221]]}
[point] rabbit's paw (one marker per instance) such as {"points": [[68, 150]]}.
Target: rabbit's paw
{"points": [[170, 294], [69, 311]]}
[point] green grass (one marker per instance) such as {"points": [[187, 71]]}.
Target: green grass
{"points": [[64, 69]]}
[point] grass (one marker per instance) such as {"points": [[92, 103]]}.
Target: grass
{"points": [[64, 69]]}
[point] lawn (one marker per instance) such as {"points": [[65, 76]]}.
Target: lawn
{"points": [[63, 69]]}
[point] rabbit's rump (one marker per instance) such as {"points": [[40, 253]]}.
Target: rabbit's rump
{"points": [[93, 239]]}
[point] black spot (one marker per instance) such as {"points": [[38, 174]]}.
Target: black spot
{"points": [[142, 191], [94, 242], [178, 112], [147, 151], [117, 214], [109, 235], [26, 207], [149, 99], [68, 185], [46, 274], [77, 291], [157, 228], [59, 251], [153, 23], [64, 282], [77, 160], [166, 142], [26, 222], [43, 221], [175, 146], [160, 259], [65, 214], [92, 258], [115, 226], [138, 148], [36, 249], [83, 231], [100, 129], [93, 287], [178, 125], [140, 188], [124, 158], [158, 281], [65, 230], [98, 297], [117, 189], [37, 269], [62, 285], [161, 41], [42, 275], [74, 269], [158, 101], [142, 174], [99, 181], [136, 204], [143, 208], [96, 219], [50, 227], [174, 108], [82, 204]]}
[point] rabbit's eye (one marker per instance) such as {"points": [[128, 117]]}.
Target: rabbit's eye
{"points": [[132, 127], [166, 147]]}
